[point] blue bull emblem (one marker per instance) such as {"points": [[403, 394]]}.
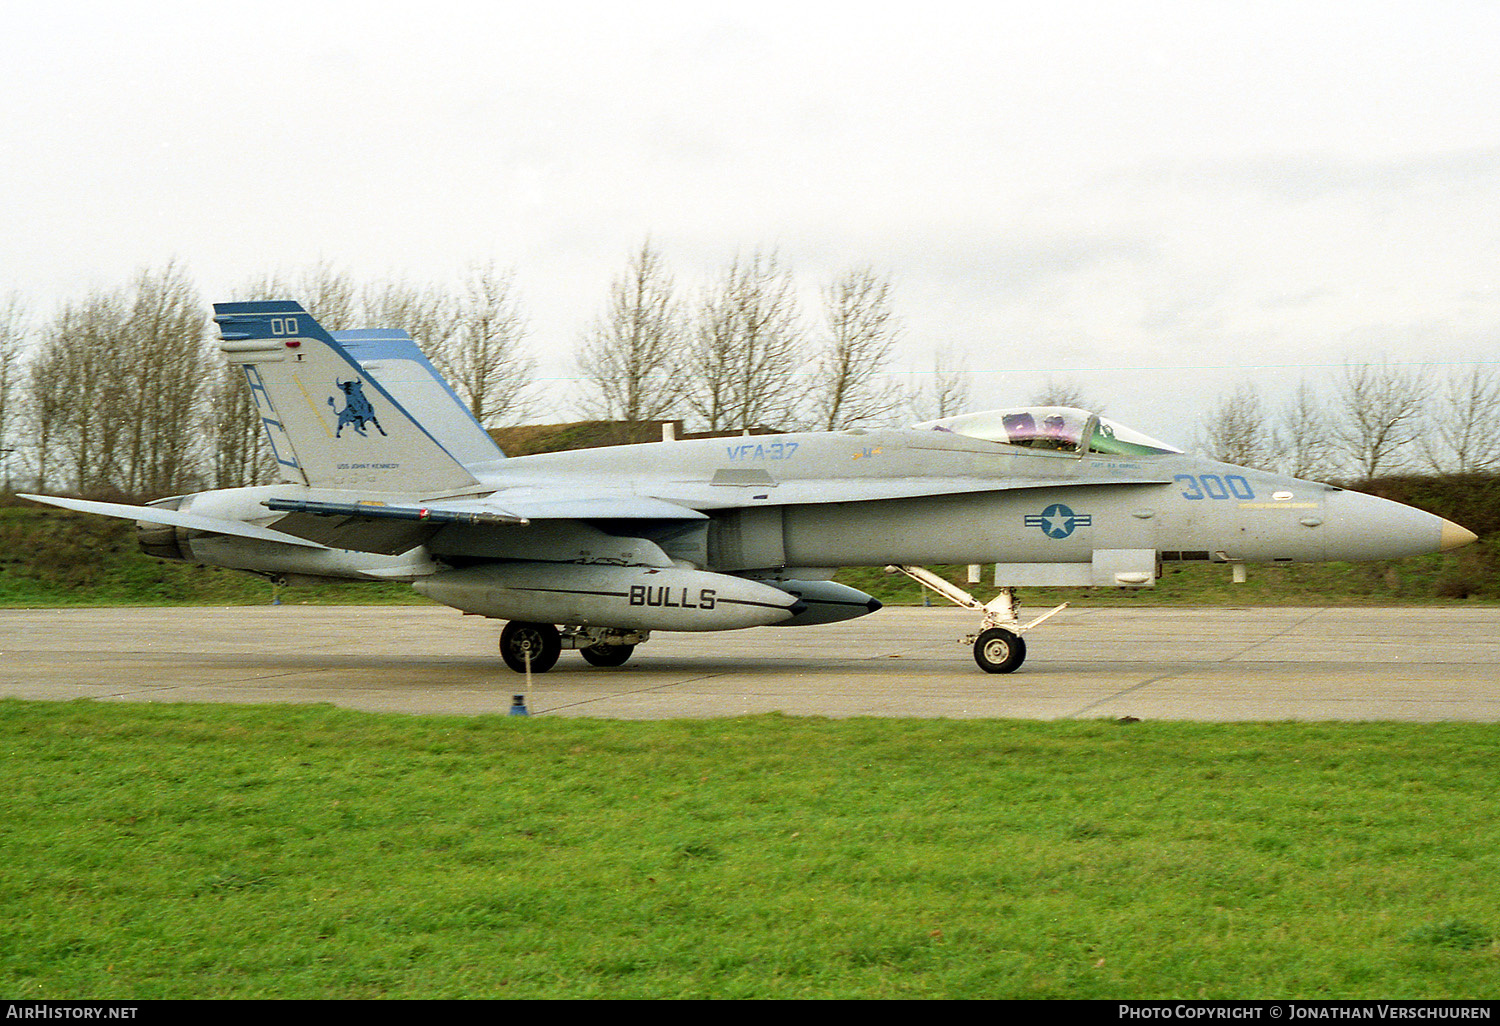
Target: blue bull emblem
{"points": [[357, 411]]}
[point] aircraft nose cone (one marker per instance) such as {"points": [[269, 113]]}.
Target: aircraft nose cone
{"points": [[1364, 526], [1453, 536]]}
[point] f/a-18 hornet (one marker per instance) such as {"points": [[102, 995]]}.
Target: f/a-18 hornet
{"points": [[385, 475]]}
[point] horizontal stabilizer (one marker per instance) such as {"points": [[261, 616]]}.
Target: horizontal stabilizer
{"points": [[376, 526], [381, 511], [191, 521]]}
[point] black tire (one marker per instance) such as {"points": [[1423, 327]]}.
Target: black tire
{"points": [[541, 640], [607, 655], [999, 650]]}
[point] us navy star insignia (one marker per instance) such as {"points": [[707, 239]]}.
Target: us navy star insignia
{"points": [[1058, 521]]}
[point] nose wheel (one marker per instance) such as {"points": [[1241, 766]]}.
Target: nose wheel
{"points": [[998, 650]]}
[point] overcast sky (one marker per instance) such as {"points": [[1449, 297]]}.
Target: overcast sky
{"points": [[1152, 200]]}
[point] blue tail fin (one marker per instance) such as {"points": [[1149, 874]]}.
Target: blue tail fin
{"points": [[332, 424], [390, 355]]}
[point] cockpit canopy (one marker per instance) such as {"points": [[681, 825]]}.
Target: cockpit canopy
{"points": [[1055, 428]]}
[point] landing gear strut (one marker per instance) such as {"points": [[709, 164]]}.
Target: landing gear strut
{"points": [[998, 647]]}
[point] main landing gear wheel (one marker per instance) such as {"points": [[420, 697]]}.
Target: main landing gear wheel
{"points": [[999, 651], [607, 655], [538, 640]]}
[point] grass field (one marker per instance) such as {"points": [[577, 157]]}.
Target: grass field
{"points": [[308, 852]]}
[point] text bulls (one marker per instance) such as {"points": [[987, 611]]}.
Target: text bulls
{"points": [[676, 598]]}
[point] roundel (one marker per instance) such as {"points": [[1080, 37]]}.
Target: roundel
{"points": [[1058, 521]]}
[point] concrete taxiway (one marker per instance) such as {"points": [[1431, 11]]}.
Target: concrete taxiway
{"points": [[1211, 664]]}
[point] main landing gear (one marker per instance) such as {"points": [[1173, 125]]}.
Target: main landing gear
{"points": [[998, 647], [541, 643], [530, 646]]}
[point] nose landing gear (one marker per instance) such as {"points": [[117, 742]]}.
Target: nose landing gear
{"points": [[998, 647]]}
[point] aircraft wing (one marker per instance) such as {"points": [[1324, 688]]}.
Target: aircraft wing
{"points": [[191, 521], [577, 504], [373, 526]]}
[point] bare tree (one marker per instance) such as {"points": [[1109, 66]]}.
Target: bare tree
{"points": [[1065, 392], [944, 392], [427, 313], [848, 386], [1464, 422], [1381, 409], [161, 358], [630, 352], [329, 295], [740, 370], [707, 369], [1237, 430], [238, 453], [46, 405], [115, 386], [73, 389], [12, 337], [1304, 438], [482, 355]]}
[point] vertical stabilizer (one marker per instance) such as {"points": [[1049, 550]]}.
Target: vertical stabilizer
{"points": [[331, 424], [399, 364]]}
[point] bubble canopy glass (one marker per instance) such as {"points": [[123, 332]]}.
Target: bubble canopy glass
{"points": [[1052, 428]]}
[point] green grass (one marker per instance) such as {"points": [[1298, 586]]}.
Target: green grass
{"points": [[308, 852]]}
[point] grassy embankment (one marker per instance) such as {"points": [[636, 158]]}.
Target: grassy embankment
{"points": [[51, 557], [181, 851]]}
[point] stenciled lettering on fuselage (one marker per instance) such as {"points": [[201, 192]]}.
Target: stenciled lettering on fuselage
{"points": [[357, 411], [671, 597], [762, 451], [1058, 521]]}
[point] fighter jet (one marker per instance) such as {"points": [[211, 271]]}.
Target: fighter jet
{"points": [[385, 475]]}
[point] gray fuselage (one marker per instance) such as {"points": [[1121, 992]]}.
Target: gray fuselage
{"points": [[837, 500]]}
